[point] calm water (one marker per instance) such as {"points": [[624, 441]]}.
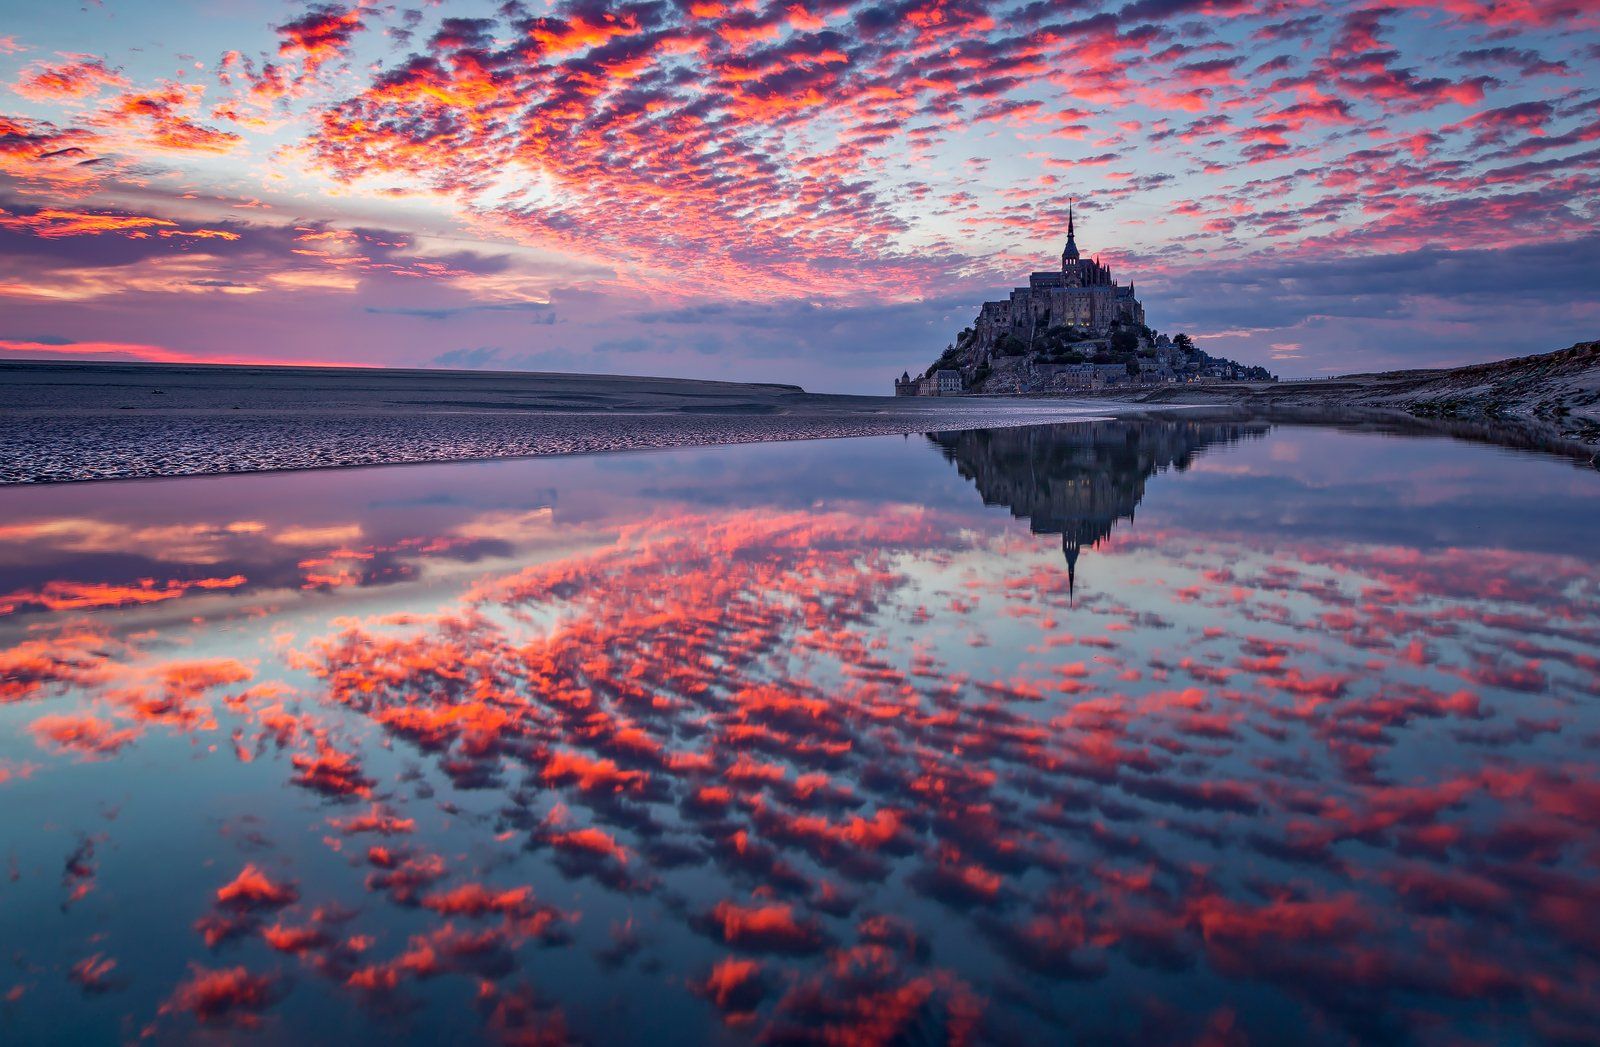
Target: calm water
{"points": [[884, 740]]}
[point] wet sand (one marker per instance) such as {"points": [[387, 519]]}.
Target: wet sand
{"points": [[94, 421]]}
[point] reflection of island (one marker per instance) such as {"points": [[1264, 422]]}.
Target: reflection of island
{"points": [[1077, 480]]}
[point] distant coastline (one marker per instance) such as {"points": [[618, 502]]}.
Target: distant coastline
{"points": [[97, 421], [1551, 399], [88, 421]]}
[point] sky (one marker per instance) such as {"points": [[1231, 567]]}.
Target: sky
{"points": [[815, 193]]}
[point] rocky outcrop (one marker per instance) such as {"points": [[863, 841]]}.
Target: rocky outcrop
{"points": [[1560, 389], [1069, 328], [1553, 397]]}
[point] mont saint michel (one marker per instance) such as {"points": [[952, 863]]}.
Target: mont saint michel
{"points": [[464, 577], [1070, 328]]}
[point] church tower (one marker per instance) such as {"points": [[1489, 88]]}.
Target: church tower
{"points": [[1071, 276]]}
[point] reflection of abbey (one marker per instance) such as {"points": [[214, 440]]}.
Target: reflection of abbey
{"points": [[1070, 328], [1078, 480]]}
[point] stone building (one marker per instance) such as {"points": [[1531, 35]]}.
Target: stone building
{"points": [[1080, 294], [1078, 303], [1082, 376], [943, 381]]}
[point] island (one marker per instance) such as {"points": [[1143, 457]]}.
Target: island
{"points": [[1072, 329]]}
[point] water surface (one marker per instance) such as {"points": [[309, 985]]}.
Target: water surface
{"points": [[1112, 732]]}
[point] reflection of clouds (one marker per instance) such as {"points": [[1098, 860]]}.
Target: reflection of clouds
{"points": [[243, 554], [506, 526], [95, 973], [333, 535], [82, 733], [185, 543], [72, 656], [80, 596], [226, 998], [687, 694], [1355, 781], [132, 695]]}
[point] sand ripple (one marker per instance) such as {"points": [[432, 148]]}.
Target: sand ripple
{"points": [[34, 449]]}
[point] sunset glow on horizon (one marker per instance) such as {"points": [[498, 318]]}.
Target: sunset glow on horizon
{"points": [[789, 191]]}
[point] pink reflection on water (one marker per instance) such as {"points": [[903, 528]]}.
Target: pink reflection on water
{"points": [[1360, 776]]}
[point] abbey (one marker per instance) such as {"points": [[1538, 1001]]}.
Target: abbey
{"points": [[1078, 305], [1081, 294]]}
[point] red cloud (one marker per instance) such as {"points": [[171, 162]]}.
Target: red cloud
{"points": [[78, 77], [331, 771], [163, 113], [77, 596], [82, 733], [320, 35], [590, 842], [94, 973], [230, 998], [252, 890], [153, 354], [295, 940], [736, 987], [377, 820], [771, 928], [53, 223], [473, 899], [75, 656]]}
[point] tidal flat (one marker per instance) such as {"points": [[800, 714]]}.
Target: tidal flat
{"points": [[65, 422], [1108, 731]]}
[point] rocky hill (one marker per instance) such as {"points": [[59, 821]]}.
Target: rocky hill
{"points": [[1069, 327], [1033, 359]]}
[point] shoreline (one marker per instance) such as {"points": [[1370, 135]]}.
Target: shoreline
{"points": [[169, 448], [1550, 401], [76, 422], [85, 422], [1506, 433]]}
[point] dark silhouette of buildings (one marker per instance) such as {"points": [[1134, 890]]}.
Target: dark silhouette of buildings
{"points": [[1079, 479]]}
